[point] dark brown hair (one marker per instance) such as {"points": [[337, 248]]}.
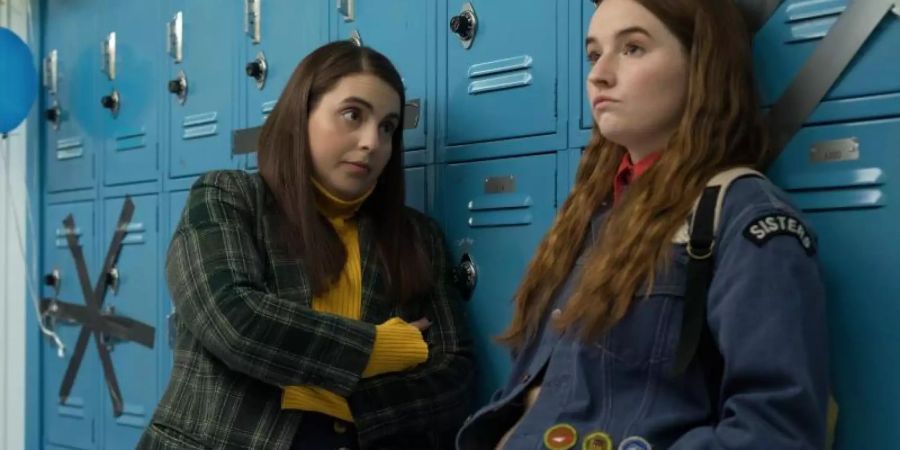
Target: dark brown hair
{"points": [[721, 127], [286, 165]]}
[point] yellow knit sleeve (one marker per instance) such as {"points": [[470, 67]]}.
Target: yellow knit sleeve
{"points": [[398, 346], [314, 399]]}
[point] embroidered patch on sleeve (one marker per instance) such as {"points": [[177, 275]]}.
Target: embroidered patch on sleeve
{"points": [[765, 227]]}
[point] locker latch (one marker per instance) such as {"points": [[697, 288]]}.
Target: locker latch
{"points": [[347, 9], [465, 25], [111, 102], [51, 72], [179, 87], [257, 70], [108, 56], [174, 37], [252, 9], [465, 276], [411, 114]]}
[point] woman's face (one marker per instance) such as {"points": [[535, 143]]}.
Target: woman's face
{"points": [[350, 134], [637, 84]]}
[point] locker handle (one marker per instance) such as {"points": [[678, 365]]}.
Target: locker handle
{"points": [[51, 72], [174, 31], [347, 9]]}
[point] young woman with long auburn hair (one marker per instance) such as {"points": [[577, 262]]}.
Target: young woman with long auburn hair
{"points": [[601, 314]]}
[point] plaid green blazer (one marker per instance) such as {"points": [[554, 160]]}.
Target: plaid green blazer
{"points": [[245, 328]]}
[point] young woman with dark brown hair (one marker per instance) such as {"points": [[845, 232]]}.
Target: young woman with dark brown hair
{"points": [[315, 310], [611, 297]]}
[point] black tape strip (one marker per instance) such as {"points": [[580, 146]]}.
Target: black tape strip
{"points": [[94, 301], [245, 140], [119, 327], [821, 71]]}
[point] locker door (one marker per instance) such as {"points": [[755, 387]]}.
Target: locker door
{"points": [[504, 85], [416, 188], [131, 132], [580, 110], [784, 44], [400, 33], [288, 31], [165, 333], [495, 213], [73, 423], [843, 177], [71, 104], [133, 295], [202, 114]]}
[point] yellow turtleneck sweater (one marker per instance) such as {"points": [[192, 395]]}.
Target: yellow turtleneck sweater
{"points": [[398, 345]]}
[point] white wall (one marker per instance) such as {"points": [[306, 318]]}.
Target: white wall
{"points": [[12, 264]]}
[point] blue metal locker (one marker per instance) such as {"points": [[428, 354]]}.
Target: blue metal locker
{"points": [[580, 118], [494, 214], [70, 104], [130, 90], [165, 333], [400, 33], [73, 423], [278, 34], [787, 40], [416, 188], [841, 176], [134, 295], [502, 59], [202, 76]]}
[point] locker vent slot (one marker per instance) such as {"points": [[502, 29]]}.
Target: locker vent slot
{"points": [[131, 141], [69, 149], [495, 76], [200, 125]]}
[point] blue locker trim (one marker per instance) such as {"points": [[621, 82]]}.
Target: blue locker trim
{"points": [[132, 189], [528, 145], [33, 180], [869, 107], [578, 135], [181, 184], [415, 158], [68, 196]]}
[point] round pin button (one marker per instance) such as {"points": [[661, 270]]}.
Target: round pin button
{"points": [[597, 441], [556, 314], [635, 443], [560, 437]]}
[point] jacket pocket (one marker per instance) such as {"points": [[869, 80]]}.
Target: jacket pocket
{"points": [[649, 332], [167, 437]]}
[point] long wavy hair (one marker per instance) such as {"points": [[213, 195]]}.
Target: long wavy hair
{"points": [[286, 166], [721, 127]]}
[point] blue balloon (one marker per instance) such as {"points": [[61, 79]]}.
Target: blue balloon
{"points": [[18, 80]]}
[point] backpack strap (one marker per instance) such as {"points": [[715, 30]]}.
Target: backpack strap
{"points": [[701, 239]]}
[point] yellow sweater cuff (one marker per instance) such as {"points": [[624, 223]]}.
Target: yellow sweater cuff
{"points": [[314, 399], [398, 346]]}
